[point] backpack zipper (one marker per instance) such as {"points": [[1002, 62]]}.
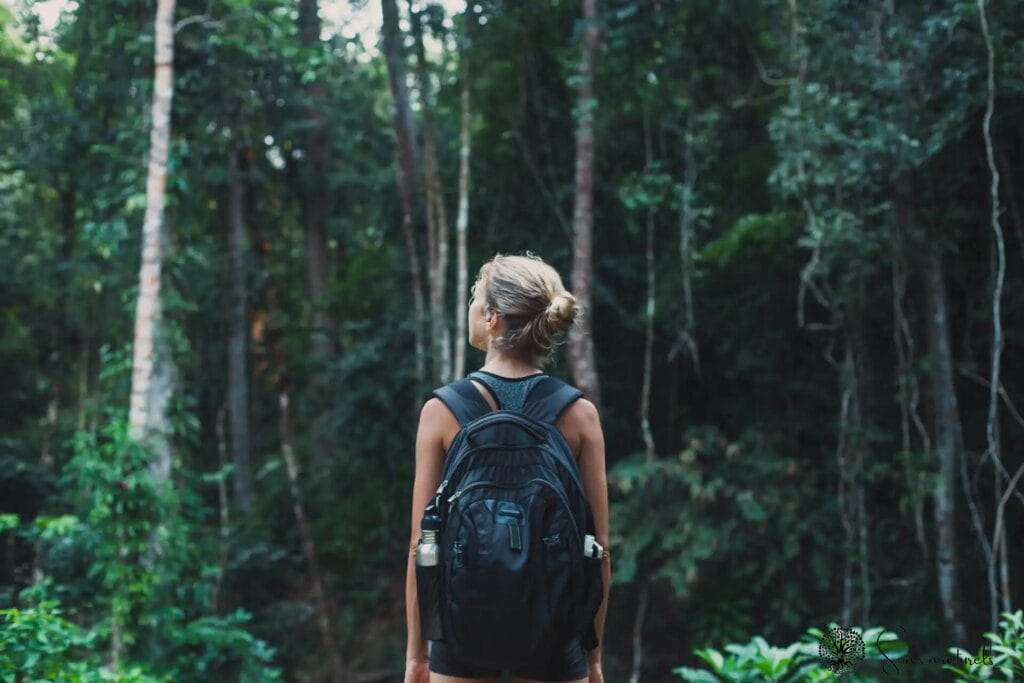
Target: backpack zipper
{"points": [[477, 484], [576, 530], [574, 470]]}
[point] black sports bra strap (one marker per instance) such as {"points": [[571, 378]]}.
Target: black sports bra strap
{"points": [[464, 400]]}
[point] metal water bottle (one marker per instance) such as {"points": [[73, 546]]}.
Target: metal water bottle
{"points": [[591, 548], [428, 575]]}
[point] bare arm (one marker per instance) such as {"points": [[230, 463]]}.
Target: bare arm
{"points": [[429, 459], [595, 484]]}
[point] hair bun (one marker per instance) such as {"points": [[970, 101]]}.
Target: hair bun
{"points": [[561, 311]]}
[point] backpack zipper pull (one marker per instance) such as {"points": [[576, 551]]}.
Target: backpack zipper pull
{"points": [[437, 493], [455, 495]]}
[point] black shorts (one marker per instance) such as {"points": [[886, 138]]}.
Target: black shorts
{"points": [[566, 662]]}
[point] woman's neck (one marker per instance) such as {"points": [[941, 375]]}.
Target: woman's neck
{"points": [[507, 366]]}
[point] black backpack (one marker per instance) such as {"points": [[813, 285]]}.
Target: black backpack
{"points": [[513, 575]]}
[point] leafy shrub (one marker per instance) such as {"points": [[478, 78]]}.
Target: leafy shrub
{"points": [[759, 662], [158, 600], [1002, 659], [38, 644]]}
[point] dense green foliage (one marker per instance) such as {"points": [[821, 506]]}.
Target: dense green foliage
{"points": [[794, 160], [885, 657]]}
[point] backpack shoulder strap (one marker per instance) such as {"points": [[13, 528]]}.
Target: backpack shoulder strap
{"points": [[549, 398], [463, 399]]}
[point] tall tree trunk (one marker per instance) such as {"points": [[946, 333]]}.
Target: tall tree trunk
{"points": [[992, 423], [909, 393], [152, 366], [314, 207], [238, 371], [645, 393], [948, 435], [436, 214], [462, 220], [688, 334], [323, 615], [581, 341], [147, 416], [281, 375], [638, 630], [406, 162]]}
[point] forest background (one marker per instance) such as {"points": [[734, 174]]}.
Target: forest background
{"points": [[236, 244]]}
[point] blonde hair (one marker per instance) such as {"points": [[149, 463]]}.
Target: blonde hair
{"points": [[529, 296]]}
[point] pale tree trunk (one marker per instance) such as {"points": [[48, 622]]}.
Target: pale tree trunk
{"points": [[947, 439], [581, 341], [313, 172], [238, 372], [436, 214], [281, 374], [909, 392], [638, 631], [645, 393], [147, 416], [992, 423], [687, 336], [323, 615], [406, 162], [947, 436], [152, 367], [462, 220]]}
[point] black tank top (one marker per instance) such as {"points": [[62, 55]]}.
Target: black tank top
{"points": [[510, 393]]}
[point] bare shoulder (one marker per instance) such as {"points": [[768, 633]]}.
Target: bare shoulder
{"points": [[579, 423], [433, 409], [581, 414], [437, 421]]}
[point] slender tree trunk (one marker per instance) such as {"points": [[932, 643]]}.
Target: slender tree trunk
{"points": [[238, 372], [688, 335], [315, 196], [992, 423], [638, 631], [909, 394], [147, 411], [581, 341], [462, 220], [948, 436], [645, 393], [225, 514], [282, 382], [152, 366], [323, 616], [406, 162], [436, 213]]}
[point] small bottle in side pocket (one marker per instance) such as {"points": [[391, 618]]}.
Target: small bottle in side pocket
{"points": [[428, 576]]}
